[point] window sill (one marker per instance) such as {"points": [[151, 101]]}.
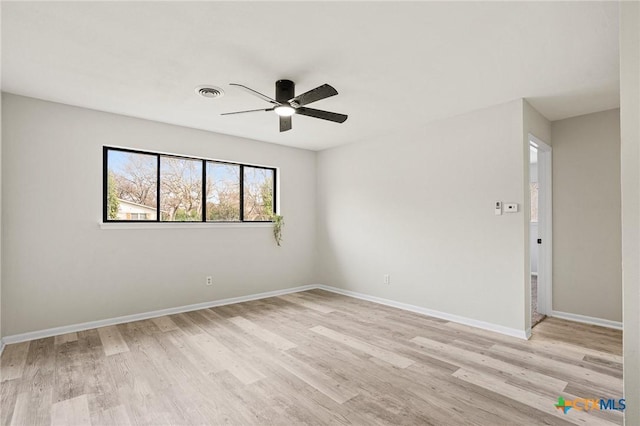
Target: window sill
{"points": [[189, 225]]}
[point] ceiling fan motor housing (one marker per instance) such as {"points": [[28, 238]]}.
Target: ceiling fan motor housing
{"points": [[285, 90]]}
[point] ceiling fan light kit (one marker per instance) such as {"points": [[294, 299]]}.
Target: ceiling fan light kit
{"points": [[286, 104], [284, 110]]}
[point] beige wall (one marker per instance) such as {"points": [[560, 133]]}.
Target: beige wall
{"points": [[587, 274], [630, 177], [406, 209], [536, 124], [419, 205], [61, 268]]}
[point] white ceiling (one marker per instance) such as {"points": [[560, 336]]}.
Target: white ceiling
{"points": [[395, 64]]}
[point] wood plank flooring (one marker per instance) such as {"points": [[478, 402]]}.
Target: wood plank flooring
{"points": [[310, 358]]}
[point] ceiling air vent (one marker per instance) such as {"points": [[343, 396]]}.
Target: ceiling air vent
{"points": [[209, 92]]}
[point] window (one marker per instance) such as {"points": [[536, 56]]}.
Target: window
{"points": [[180, 189], [145, 186], [131, 182], [258, 193], [223, 192]]}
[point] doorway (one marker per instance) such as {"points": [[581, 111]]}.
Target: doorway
{"points": [[540, 229]]}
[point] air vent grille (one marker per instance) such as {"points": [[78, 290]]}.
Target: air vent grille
{"points": [[209, 92]]}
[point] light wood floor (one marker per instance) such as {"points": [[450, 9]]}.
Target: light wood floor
{"points": [[309, 358]]}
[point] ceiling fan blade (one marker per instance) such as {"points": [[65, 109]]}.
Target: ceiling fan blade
{"points": [[256, 93], [285, 124], [324, 115], [320, 92], [251, 110]]}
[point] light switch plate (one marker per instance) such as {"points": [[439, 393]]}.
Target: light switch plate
{"points": [[498, 208]]}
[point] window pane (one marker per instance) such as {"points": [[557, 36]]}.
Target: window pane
{"points": [[180, 189], [131, 186], [223, 192], [258, 194]]}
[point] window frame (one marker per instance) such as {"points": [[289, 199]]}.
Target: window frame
{"points": [[242, 189], [204, 161]]}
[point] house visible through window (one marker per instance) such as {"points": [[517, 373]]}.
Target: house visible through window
{"points": [[144, 186], [138, 216]]}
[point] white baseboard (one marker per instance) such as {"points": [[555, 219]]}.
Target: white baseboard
{"points": [[24, 337], [587, 320], [33, 335], [521, 334]]}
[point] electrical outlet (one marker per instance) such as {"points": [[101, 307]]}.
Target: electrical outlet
{"points": [[209, 280], [387, 279]]}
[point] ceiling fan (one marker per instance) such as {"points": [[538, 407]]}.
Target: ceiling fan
{"points": [[287, 104]]}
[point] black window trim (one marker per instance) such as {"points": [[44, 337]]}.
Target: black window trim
{"points": [[158, 155]]}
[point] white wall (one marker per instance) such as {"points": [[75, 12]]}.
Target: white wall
{"points": [[587, 274], [60, 268], [419, 205], [630, 177]]}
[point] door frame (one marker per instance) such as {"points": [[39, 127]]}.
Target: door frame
{"points": [[545, 225]]}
